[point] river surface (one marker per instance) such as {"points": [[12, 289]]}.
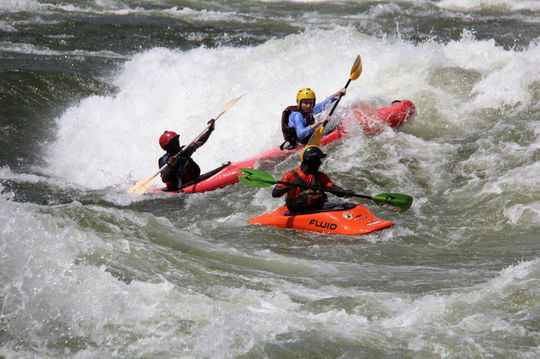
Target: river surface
{"points": [[90, 271]]}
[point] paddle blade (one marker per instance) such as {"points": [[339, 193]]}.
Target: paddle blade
{"points": [[229, 105], [255, 178], [142, 186], [356, 69], [315, 139], [394, 201]]}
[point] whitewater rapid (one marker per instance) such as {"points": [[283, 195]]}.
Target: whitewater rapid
{"points": [[111, 140]]}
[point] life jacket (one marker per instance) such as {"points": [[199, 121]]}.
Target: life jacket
{"points": [[189, 173], [307, 199], [289, 132]]}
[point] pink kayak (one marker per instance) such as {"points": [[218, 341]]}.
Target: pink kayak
{"points": [[372, 119]]}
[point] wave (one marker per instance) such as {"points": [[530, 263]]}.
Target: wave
{"points": [[164, 89], [23, 48]]}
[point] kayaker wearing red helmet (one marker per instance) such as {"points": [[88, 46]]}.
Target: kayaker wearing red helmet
{"points": [[300, 200], [181, 169], [298, 123]]}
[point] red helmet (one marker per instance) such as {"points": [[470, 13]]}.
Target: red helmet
{"points": [[166, 138]]}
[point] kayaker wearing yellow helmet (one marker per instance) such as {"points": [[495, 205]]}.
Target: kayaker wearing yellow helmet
{"points": [[300, 200], [298, 123]]}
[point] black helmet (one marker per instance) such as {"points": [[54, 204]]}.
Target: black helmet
{"points": [[311, 153]]}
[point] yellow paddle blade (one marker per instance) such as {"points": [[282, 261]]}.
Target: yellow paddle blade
{"points": [[316, 136], [356, 69], [142, 186]]}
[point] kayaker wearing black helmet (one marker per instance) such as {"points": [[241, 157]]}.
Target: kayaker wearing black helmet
{"points": [[181, 169], [297, 122], [300, 200]]}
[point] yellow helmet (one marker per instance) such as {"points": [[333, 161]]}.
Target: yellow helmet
{"points": [[304, 94], [311, 152]]}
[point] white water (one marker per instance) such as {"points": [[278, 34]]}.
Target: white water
{"points": [[106, 141], [499, 5], [124, 7], [59, 291], [186, 277]]}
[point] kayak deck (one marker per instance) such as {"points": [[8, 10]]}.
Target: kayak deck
{"points": [[345, 218]]}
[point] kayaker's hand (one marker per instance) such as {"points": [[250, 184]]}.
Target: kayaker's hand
{"points": [[319, 123], [326, 119], [279, 191], [212, 124], [340, 92], [315, 200], [172, 161], [340, 192]]}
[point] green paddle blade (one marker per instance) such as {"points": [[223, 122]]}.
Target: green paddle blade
{"points": [[394, 201], [255, 178]]}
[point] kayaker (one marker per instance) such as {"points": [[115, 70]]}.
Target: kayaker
{"points": [[181, 169], [300, 200], [298, 123]]}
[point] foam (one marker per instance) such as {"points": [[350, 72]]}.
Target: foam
{"points": [[498, 5], [111, 140]]}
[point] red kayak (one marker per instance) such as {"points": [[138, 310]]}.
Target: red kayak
{"points": [[375, 119], [372, 119]]}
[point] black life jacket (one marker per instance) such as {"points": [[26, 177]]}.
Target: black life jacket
{"points": [[191, 171], [185, 171], [289, 132]]}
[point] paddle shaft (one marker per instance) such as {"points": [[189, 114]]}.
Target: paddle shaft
{"points": [[181, 152], [227, 106], [256, 178], [339, 99], [143, 185], [318, 188]]}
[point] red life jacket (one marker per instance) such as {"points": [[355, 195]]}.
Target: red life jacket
{"points": [[289, 132], [307, 199]]}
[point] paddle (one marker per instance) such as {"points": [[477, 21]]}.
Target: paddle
{"points": [[396, 202], [356, 70], [143, 185]]}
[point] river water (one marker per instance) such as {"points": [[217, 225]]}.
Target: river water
{"points": [[90, 271]]}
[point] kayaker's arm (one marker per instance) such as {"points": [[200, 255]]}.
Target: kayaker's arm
{"points": [[297, 121], [322, 105], [205, 135], [341, 192], [168, 172], [279, 191]]}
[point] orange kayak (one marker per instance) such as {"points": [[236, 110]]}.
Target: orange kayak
{"points": [[345, 218]]}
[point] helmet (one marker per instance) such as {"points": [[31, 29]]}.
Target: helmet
{"points": [[311, 152], [304, 94], [166, 138]]}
